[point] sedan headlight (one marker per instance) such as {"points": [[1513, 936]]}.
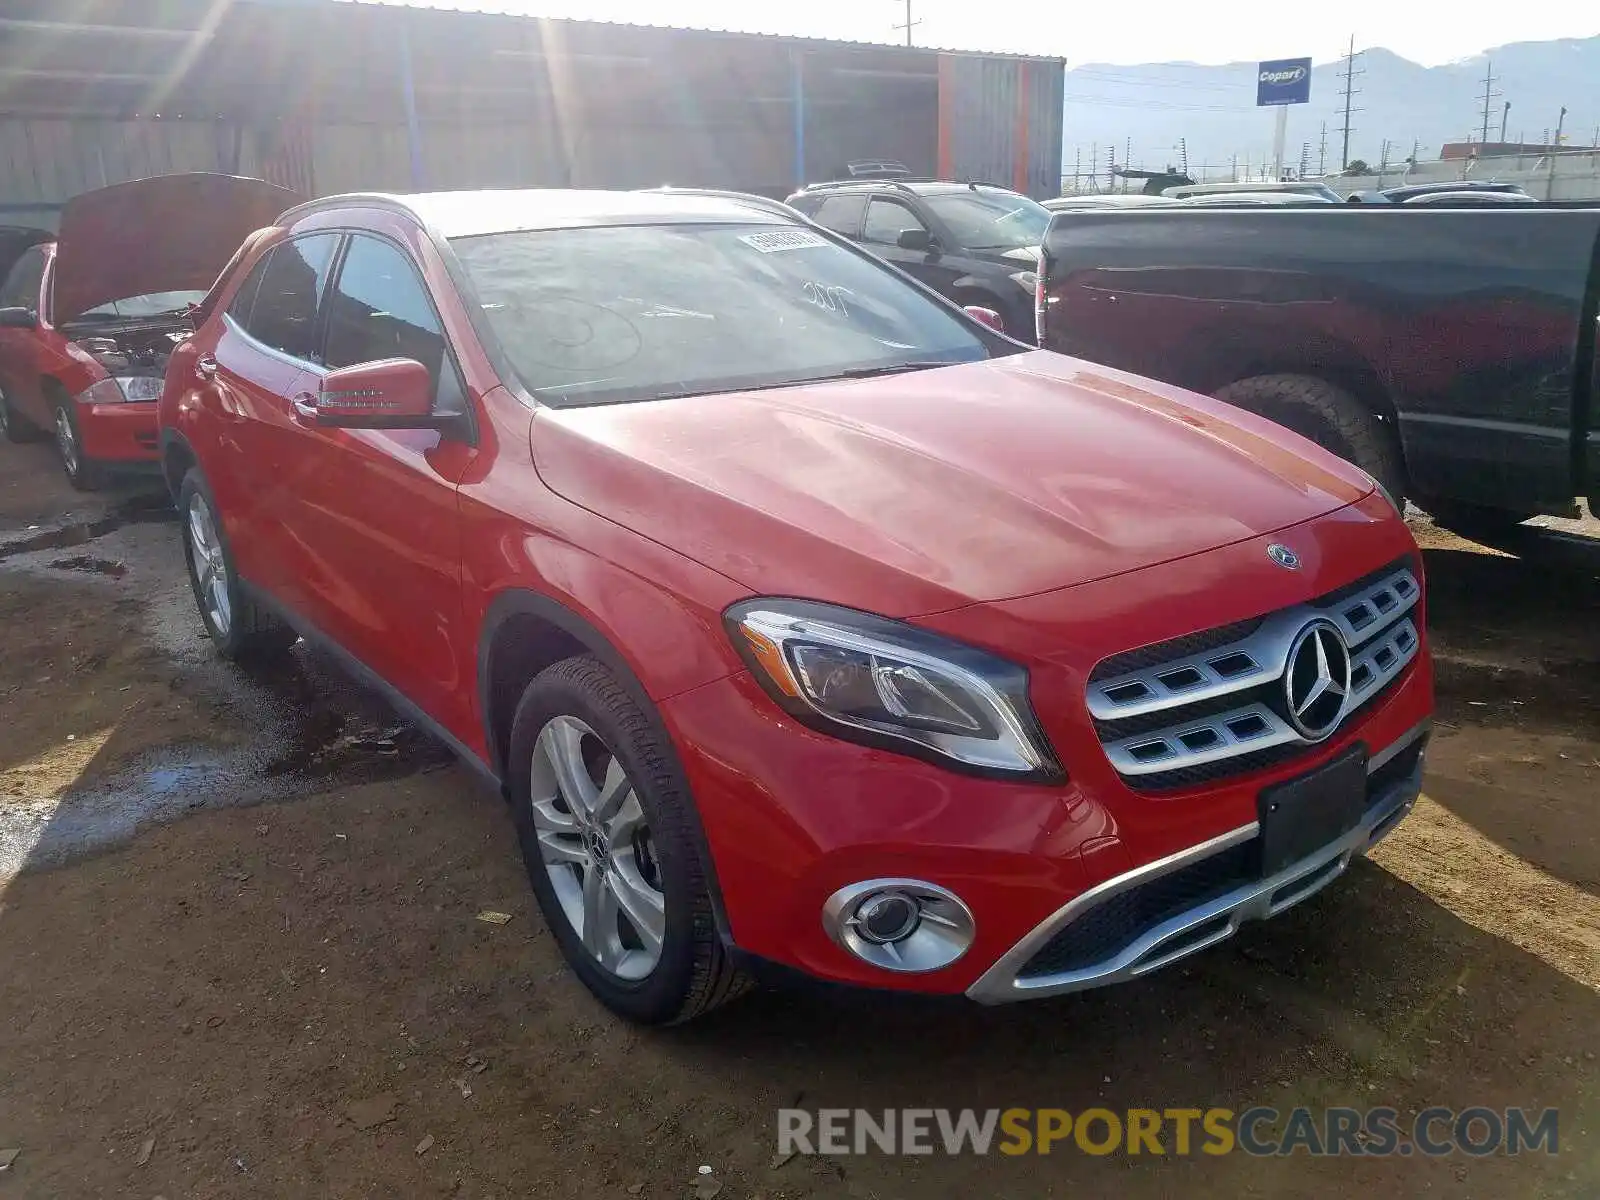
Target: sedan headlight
{"points": [[120, 389], [886, 684], [1028, 281]]}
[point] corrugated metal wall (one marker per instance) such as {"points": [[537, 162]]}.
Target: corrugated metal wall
{"points": [[1000, 120], [317, 96]]}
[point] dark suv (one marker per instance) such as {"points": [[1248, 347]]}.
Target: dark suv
{"points": [[975, 243]]}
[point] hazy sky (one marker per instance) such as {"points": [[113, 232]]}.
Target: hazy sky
{"points": [[1207, 31]]}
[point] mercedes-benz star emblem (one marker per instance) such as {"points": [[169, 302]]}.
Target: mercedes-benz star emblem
{"points": [[1283, 556], [1317, 682]]}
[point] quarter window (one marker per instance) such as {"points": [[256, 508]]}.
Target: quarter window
{"points": [[842, 214]]}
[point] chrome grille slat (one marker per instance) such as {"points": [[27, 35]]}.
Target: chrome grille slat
{"points": [[1268, 648], [1373, 619]]}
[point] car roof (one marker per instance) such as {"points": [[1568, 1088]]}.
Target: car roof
{"points": [[1286, 186], [920, 187], [472, 214], [1452, 185], [1120, 200]]}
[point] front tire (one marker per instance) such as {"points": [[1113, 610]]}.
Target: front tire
{"points": [[604, 823], [1329, 416], [239, 628], [82, 472]]}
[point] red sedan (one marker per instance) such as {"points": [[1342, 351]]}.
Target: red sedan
{"points": [[801, 617], [87, 321]]}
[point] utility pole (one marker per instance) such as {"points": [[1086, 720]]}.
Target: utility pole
{"points": [[1488, 95], [909, 23], [1094, 168], [1555, 149], [1305, 159], [1233, 170], [1183, 151], [1350, 92], [1111, 167], [1505, 113], [1077, 171], [1322, 151]]}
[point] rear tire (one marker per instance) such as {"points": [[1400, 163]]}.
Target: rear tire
{"points": [[14, 427], [83, 472], [1331, 417], [239, 628], [620, 880]]}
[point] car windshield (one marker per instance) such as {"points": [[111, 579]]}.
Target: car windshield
{"points": [[991, 219], [155, 304], [617, 313]]}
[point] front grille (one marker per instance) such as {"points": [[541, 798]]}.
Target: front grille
{"points": [[1213, 705], [1107, 928]]}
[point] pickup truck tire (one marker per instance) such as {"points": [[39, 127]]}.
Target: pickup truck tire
{"points": [[1330, 417]]}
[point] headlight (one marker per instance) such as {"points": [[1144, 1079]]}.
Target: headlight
{"points": [[1028, 281], [891, 685], [122, 389]]}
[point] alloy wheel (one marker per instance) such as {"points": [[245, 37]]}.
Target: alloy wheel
{"points": [[209, 566], [67, 441], [596, 846]]}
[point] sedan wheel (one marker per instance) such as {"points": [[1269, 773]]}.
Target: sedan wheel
{"points": [[67, 442], [597, 849], [209, 565]]}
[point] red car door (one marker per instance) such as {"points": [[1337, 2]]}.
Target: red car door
{"points": [[259, 355], [20, 359], [371, 515]]}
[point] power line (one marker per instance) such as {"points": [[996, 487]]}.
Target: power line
{"points": [[1350, 92], [1489, 97]]}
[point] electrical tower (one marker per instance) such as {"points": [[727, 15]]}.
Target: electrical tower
{"points": [[1489, 96], [909, 24], [1351, 91]]}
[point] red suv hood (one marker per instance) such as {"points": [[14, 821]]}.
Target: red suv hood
{"points": [[921, 492], [170, 233]]}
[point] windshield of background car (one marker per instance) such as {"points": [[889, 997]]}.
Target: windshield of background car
{"points": [[990, 220], [156, 304], [614, 313]]}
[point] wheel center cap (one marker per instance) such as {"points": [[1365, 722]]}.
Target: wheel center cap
{"points": [[594, 843]]}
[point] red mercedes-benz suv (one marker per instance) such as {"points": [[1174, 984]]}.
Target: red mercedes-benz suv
{"points": [[802, 618]]}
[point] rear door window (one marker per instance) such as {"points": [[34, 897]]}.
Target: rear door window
{"points": [[283, 302]]}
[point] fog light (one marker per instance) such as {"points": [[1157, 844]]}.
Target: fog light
{"points": [[899, 924]]}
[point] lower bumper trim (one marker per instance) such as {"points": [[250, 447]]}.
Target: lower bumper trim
{"points": [[1205, 924]]}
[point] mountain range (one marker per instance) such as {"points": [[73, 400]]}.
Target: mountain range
{"points": [[1158, 110]]}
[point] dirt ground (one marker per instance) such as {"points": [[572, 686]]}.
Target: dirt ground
{"points": [[239, 954]]}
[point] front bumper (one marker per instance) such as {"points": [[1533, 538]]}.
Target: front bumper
{"points": [[122, 434], [1214, 918]]}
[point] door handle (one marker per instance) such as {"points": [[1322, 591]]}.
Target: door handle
{"points": [[205, 367], [305, 407]]}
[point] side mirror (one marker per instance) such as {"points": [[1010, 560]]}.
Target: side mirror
{"points": [[915, 239], [18, 318], [392, 393], [986, 316]]}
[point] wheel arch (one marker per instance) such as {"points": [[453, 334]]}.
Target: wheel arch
{"points": [[177, 457], [524, 632]]}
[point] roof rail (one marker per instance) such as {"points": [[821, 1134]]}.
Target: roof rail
{"points": [[975, 184], [837, 184]]}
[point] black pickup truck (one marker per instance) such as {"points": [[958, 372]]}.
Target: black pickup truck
{"points": [[1450, 353]]}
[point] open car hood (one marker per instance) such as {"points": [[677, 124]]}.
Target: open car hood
{"points": [[170, 233]]}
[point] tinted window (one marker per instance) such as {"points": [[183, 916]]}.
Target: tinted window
{"points": [[379, 309], [284, 312], [589, 315], [887, 219], [21, 288], [991, 219], [842, 214]]}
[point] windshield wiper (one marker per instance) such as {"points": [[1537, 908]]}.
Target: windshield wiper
{"points": [[891, 369]]}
